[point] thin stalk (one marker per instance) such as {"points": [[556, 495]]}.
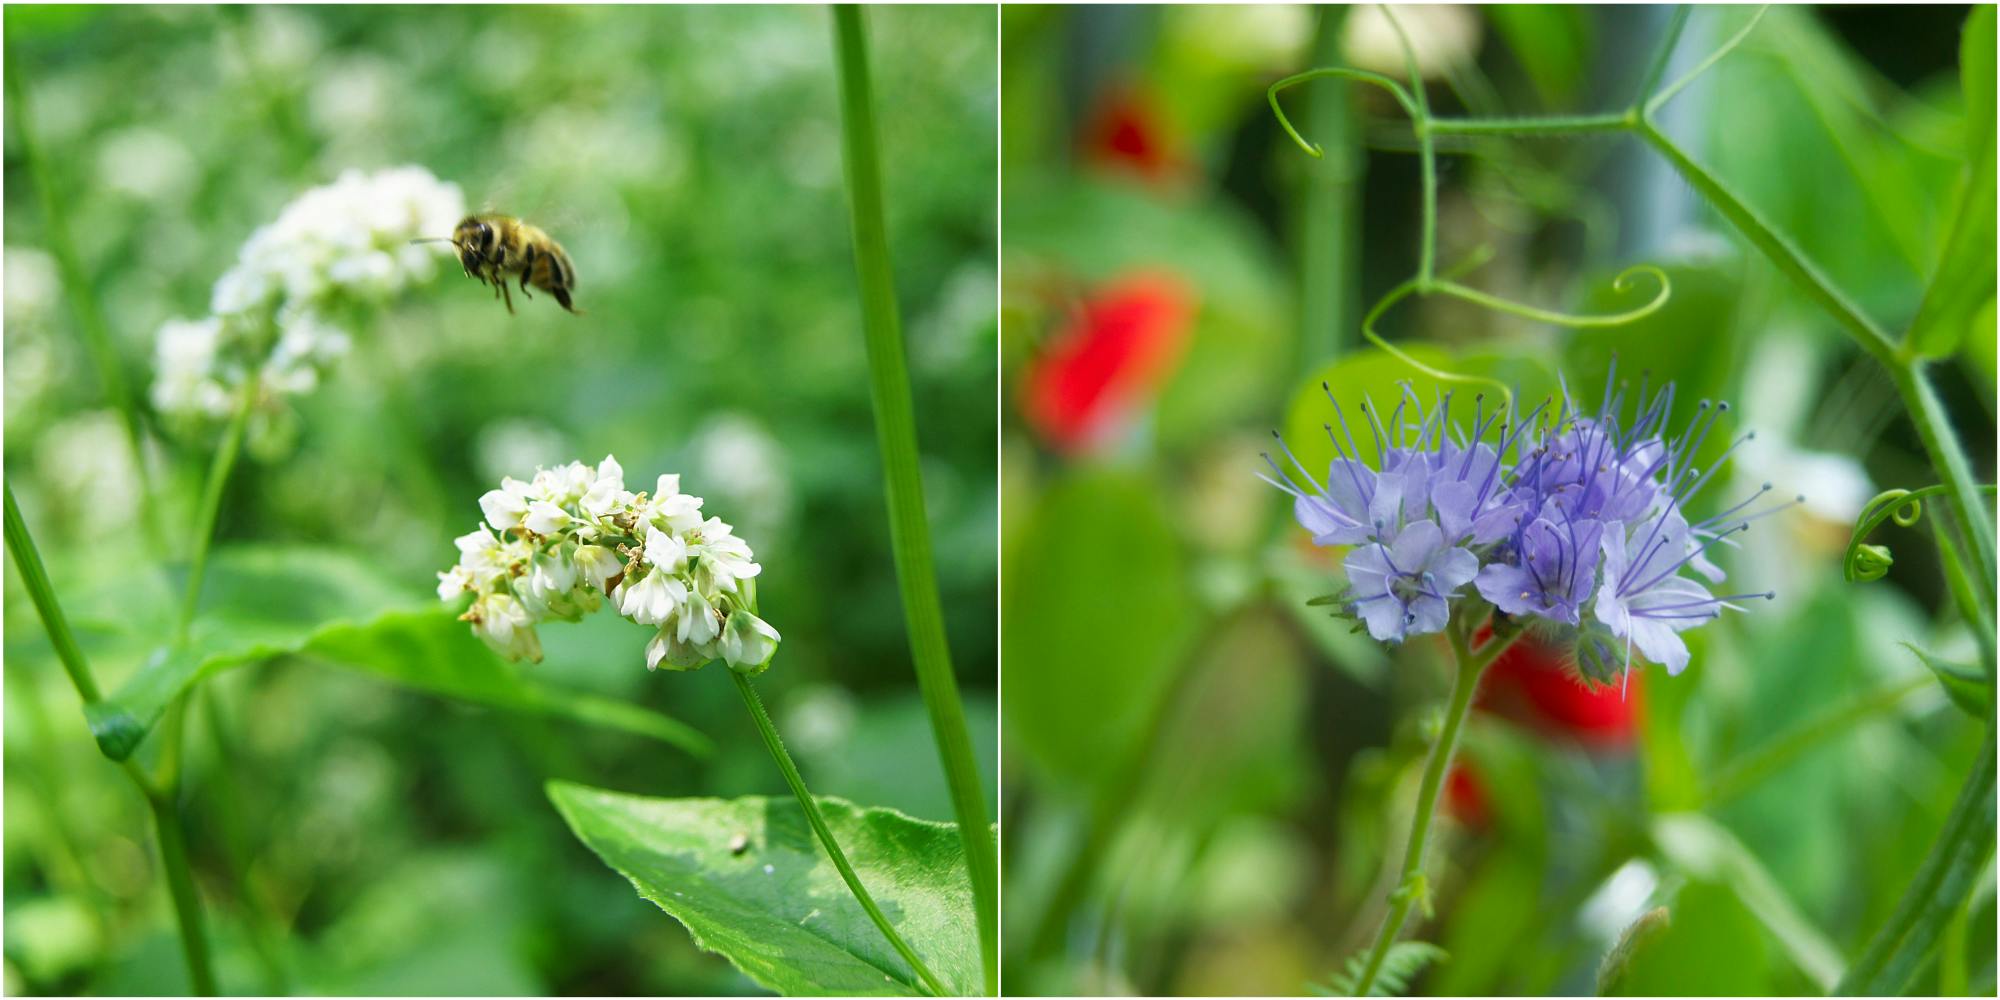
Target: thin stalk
{"points": [[28, 561], [1942, 883], [1328, 221], [896, 437], [211, 506], [1420, 122], [1662, 55], [159, 796], [1968, 512], [1471, 665], [1620, 121], [76, 287], [180, 884], [813, 816]]}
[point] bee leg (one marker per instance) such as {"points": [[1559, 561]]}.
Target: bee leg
{"points": [[524, 286], [505, 296]]}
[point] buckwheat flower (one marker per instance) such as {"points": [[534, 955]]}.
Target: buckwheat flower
{"points": [[504, 624], [571, 538], [333, 251], [1405, 588]]}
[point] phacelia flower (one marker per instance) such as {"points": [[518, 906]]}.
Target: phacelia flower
{"points": [[334, 249], [573, 538], [1573, 524]]}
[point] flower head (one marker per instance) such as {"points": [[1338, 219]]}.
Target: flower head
{"points": [[1576, 522], [332, 249], [564, 542]]}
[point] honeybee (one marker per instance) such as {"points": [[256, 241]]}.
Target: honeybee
{"points": [[494, 248]]}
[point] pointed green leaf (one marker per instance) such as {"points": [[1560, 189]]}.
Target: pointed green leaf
{"points": [[749, 881], [264, 602], [1969, 689]]}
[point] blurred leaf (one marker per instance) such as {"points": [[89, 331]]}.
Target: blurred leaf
{"points": [[1712, 947], [1552, 41], [1618, 961], [776, 908], [1964, 278], [1707, 850], [272, 601], [1970, 689], [1096, 612]]}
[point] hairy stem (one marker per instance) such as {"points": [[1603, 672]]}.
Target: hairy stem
{"points": [[818, 822], [1471, 664], [180, 885], [1328, 220], [896, 438], [28, 562]]}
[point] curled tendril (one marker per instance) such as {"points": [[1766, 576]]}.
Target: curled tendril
{"points": [[1444, 285], [1864, 562], [1313, 149]]}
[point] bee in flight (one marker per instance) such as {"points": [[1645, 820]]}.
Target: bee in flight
{"points": [[494, 248]]}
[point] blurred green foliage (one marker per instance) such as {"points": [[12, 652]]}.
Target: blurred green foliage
{"points": [[355, 836], [1139, 139]]}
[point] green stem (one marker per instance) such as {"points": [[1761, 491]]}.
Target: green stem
{"points": [[159, 796], [1747, 771], [180, 885], [76, 287], [1420, 122], [896, 437], [1327, 222], [1551, 126], [1971, 522], [28, 561], [818, 822], [1663, 55], [1471, 665], [1941, 885], [211, 506]]}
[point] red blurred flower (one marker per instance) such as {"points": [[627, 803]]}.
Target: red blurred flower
{"points": [[1465, 796], [1529, 683], [1115, 348], [1126, 132]]}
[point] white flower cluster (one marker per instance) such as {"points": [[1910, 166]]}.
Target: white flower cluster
{"points": [[334, 248], [558, 546]]}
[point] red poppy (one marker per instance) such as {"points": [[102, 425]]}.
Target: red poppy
{"points": [[1531, 684], [1126, 133], [1465, 796], [1109, 355]]}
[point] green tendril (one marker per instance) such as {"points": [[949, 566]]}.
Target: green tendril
{"points": [[1313, 149], [1863, 562], [1666, 93]]}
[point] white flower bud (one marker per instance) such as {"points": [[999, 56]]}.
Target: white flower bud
{"points": [[506, 506], [502, 623], [747, 642], [545, 518], [596, 565]]}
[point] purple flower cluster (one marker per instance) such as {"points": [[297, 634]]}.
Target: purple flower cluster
{"points": [[1556, 519]]}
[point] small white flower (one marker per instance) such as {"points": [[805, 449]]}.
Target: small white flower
{"points": [[502, 623], [666, 649], [698, 625], [545, 518], [453, 582], [672, 509], [596, 565], [479, 555], [665, 552], [747, 640], [607, 489], [652, 600], [505, 507]]}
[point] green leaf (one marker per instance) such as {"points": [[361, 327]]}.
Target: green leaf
{"points": [[273, 601], [749, 881], [1707, 850], [1969, 688], [1552, 41], [1096, 612], [1964, 278], [1618, 961], [1404, 960]]}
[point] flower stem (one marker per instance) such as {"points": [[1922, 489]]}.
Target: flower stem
{"points": [[211, 506], [166, 819], [818, 822], [896, 437], [1940, 887], [1471, 665], [76, 286]]}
